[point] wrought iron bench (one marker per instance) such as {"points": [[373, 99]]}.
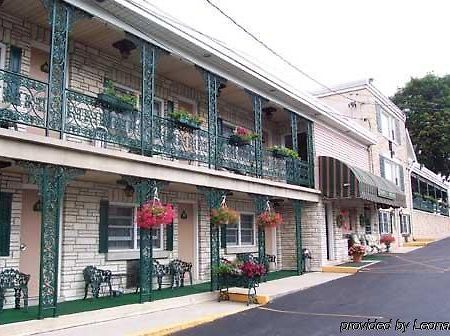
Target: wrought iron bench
{"points": [[177, 271], [159, 271], [13, 279], [94, 277]]}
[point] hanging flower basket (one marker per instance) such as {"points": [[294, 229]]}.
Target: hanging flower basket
{"points": [[224, 216], [153, 214], [269, 219]]}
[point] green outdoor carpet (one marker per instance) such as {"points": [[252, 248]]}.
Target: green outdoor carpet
{"points": [[77, 306]]}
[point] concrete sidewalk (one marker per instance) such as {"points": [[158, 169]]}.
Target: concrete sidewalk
{"points": [[159, 317]]}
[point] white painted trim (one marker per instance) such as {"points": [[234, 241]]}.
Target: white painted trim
{"points": [[255, 232]]}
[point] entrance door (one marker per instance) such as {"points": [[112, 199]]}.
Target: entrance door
{"points": [[186, 234], [30, 242], [271, 243], [329, 231]]}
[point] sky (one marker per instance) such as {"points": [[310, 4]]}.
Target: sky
{"points": [[333, 41]]}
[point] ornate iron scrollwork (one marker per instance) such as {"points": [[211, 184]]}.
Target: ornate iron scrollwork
{"points": [[297, 205], [51, 180]]}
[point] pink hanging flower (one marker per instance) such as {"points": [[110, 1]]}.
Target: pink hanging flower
{"points": [[153, 214], [269, 219]]}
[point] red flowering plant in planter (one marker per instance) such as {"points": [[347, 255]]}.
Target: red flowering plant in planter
{"points": [[242, 136], [153, 214], [387, 239], [357, 251], [252, 270]]}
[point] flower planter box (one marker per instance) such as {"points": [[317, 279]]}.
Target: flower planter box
{"points": [[186, 125], [235, 140], [238, 280], [114, 103]]}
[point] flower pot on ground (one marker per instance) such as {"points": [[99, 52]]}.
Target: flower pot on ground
{"points": [[387, 239], [269, 219], [242, 137], [224, 216], [186, 121], [357, 251], [252, 270], [283, 152], [153, 214]]}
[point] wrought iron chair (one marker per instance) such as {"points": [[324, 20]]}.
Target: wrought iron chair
{"points": [[177, 271], [159, 271], [94, 277], [13, 279]]}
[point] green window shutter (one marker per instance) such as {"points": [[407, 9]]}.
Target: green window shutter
{"points": [[5, 223], [402, 178], [382, 166], [378, 111], [398, 137], [169, 237], [103, 227], [12, 92], [223, 236]]}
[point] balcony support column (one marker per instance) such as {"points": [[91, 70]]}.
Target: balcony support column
{"points": [[261, 206], [257, 102], [213, 84], [298, 234], [310, 150], [62, 16], [51, 181], [144, 190], [213, 199]]}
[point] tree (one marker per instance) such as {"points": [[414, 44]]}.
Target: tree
{"points": [[426, 102]]}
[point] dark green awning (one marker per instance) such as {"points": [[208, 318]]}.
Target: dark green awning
{"points": [[339, 180]]}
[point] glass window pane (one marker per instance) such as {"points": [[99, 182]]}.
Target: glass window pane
{"points": [[232, 234], [120, 227], [247, 229]]}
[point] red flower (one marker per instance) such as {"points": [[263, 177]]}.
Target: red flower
{"points": [[154, 214], [387, 239], [269, 219], [251, 269]]}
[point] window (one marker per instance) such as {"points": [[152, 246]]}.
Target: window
{"points": [[123, 233], [242, 233], [388, 126], [392, 172], [385, 221], [405, 224]]}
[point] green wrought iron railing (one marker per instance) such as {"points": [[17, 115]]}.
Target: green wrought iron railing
{"points": [[443, 209], [175, 140], [22, 100], [87, 117], [239, 159], [285, 169]]}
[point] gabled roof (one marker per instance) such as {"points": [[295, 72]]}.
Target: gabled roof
{"points": [[382, 99], [180, 40]]}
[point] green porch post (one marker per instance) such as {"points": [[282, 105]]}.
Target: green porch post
{"points": [[213, 199], [213, 84], [61, 18], [310, 150], [292, 166], [51, 180], [257, 102], [298, 234], [149, 57], [144, 190], [260, 205]]}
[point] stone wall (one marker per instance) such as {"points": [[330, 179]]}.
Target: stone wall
{"points": [[428, 225]]}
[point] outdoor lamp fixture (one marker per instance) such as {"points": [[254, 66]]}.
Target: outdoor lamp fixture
{"points": [[184, 214], [346, 185], [125, 47], [45, 68], [129, 191], [37, 207]]}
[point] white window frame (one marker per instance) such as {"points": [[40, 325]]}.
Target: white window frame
{"points": [[135, 230], [239, 244], [392, 171], [388, 128], [389, 223], [404, 223]]}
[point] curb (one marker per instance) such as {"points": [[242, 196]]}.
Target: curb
{"points": [[167, 330]]}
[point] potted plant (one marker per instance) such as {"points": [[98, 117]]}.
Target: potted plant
{"points": [[252, 270], [224, 215], [283, 152], [387, 239], [153, 214], [356, 251], [186, 121], [269, 219], [119, 102], [242, 137]]}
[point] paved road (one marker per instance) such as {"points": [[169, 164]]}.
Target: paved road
{"points": [[404, 286]]}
